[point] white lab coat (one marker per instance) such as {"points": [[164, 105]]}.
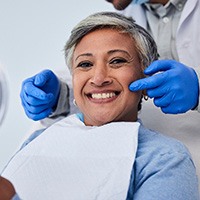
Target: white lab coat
{"points": [[188, 32], [185, 127]]}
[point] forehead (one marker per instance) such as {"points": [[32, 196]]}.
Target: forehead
{"points": [[105, 39]]}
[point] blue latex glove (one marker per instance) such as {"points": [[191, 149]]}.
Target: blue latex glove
{"points": [[39, 94], [175, 88]]}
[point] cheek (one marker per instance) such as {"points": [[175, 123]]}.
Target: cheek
{"points": [[133, 95], [79, 80], [130, 76], [77, 84], [133, 100], [126, 80]]}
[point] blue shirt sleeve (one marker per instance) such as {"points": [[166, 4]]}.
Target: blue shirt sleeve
{"points": [[32, 137], [163, 169]]}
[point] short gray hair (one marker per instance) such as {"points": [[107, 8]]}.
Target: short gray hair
{"points": [[144, 43]]}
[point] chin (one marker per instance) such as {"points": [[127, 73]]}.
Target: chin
{"points": [[99, 122], [120, 7]]}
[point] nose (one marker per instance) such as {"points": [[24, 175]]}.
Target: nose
{"points": [[100, 76]]}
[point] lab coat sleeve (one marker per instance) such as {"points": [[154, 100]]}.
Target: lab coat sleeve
{"points": [[61, 111], [63, 102], [64, 107]]}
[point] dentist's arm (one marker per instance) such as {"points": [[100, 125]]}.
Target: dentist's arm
{"points": [[173, 86]]}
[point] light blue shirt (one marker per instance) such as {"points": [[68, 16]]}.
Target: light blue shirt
{"points": [[163, 168]]}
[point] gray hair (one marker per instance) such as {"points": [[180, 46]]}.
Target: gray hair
{"points": [[144, 43]]}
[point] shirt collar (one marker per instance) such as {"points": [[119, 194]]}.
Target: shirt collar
{"points": [[159, 8], [178, 4]]}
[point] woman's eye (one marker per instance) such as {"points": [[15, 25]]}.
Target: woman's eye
{"points": [[84, 64], [118, 62]]}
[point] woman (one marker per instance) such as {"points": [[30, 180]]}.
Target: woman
{"points": [[104, 152]]}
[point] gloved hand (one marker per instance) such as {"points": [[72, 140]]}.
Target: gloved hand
{"points": [[175, 88], [39, 94]]}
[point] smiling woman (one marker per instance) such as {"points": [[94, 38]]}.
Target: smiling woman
{"points": [[101, 77], [105, 68], [104, 152]]}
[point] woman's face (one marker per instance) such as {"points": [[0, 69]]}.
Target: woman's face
{"points": [[104, 63]]}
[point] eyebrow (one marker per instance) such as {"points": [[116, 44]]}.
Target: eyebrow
{"points": [[109, 52], [118, 50], [84, 54]]}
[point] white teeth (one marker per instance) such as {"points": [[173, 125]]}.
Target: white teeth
{"points": [[103, 95]]}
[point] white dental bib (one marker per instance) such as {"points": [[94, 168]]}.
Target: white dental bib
{"points": [[76, 162]]}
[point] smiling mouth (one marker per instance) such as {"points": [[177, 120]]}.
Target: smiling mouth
{"points": [[106, 95]]}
